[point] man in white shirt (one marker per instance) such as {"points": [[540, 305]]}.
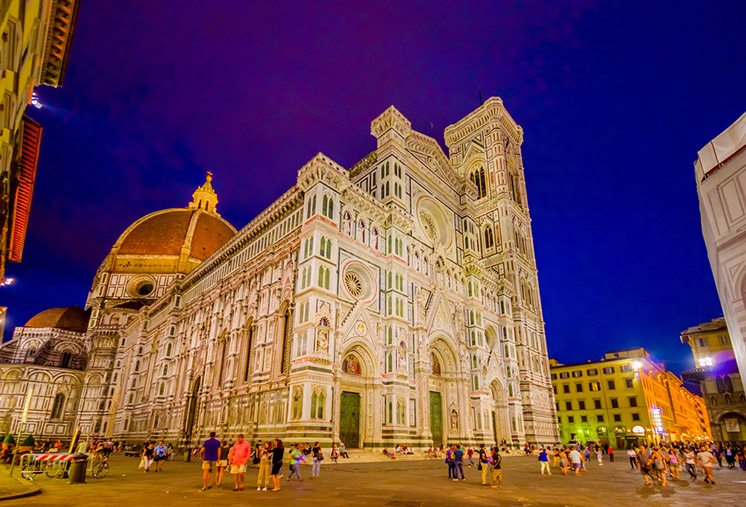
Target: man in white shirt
{"points": [[576, 460], [706, 461], [632, 455]]}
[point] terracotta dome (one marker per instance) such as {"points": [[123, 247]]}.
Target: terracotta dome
{"points": [[69, 318], [173, 240]]}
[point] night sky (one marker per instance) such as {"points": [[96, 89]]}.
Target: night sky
{"points": [[615, 101]]}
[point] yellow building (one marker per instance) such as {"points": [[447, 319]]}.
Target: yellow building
{"points": [[717, 374], [625, 397], [35, 38]]}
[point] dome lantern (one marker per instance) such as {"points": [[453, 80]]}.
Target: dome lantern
{"points": [[205, 198]]}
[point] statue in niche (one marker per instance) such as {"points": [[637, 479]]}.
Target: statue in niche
{"points": [[454, 419], [322, 335], [351, 365]]}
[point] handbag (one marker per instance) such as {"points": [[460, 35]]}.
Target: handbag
{"points": [[142, 463], [479, 466]]}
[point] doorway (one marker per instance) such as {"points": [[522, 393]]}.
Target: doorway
{"points": [[349, 419], [436, 418]]}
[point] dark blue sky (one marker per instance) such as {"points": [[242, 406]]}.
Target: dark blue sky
{"points": [[615, 100]]}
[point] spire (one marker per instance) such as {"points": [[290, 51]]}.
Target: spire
{"points": [[205, 198]]}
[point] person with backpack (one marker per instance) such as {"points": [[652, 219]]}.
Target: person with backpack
{"points": [[450, 461]]}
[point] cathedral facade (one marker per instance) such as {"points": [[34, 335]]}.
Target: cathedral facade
{"points": [[393, 302]]}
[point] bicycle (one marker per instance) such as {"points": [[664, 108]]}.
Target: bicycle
{"points": [[100, 467]]}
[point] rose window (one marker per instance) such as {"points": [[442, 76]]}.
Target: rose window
{"points": [[354, 284]]}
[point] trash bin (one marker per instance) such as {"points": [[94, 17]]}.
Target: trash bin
{"points": [[77, 468]]}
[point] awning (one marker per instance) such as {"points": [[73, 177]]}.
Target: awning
{"points": [[27, 161]]}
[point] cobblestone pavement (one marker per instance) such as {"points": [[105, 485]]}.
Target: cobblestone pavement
{"points": [[400, 483]]}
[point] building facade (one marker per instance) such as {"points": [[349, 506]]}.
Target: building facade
{"points": [[394, 302], [624, 398], [717, 375], [36, 37], [720, 172]]}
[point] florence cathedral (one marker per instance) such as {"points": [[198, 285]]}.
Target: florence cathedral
{"points": [[394, 302]]}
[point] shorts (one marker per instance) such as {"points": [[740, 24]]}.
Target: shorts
{"points": [[222, 463], [160, 458], [238, 469], [276, 468], [208, 465], [576, 466]]}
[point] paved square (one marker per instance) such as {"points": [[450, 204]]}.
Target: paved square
{"points": [[405, 482]]}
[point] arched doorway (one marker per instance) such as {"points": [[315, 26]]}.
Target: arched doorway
{"points": [[355, 383], [445, 420], [500, 417], [192, 410]]}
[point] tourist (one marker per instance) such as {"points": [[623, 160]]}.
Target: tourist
{"points": [[610, 452], [544, 461], [458, 463], [600, 455], [210, 453], [343, 451], [555, 456], [658, 465], [470, 456], [484, 461], [222, 464], [587, 455], [690, 463], [495, 468], [706, 461], [238, 457], [296, 458], [632, 455], [673, 464], [265, 465], [148, 454], [564, 461], [171, 453], [317, 456], [576, 458], [335, 453], [278, 454], [161, 453], [730, 457]]}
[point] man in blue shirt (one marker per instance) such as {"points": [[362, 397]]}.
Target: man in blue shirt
{"points": [[458, 462], [210, 453], [161, 451], [544, 460]]}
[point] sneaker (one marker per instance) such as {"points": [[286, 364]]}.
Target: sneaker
{"points": [[258, 489], [454, 479], [263, 489]]}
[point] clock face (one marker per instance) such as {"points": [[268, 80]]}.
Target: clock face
{"points": [[360, 328]]}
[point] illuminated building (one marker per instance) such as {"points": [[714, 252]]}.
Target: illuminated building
{"points": [[717, 374], [394, 302], [36, 37], [720, 172], [625, 397]]}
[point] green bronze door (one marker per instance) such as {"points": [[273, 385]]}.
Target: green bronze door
{"points": [[349, 420], [436, 418]]}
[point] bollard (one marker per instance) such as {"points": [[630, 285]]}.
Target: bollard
{"points": [[78, 468]]}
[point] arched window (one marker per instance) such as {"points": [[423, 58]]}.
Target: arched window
{"points": [[327, 207], [318, 400], [65, 361], [249, 338], [489, 238], [297, 410], [58, 406], [478, 178]]}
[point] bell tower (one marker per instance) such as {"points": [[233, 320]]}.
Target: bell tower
{"points": [[485, 148]]}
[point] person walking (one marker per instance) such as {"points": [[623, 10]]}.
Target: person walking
{"points": [[458, 463], [495, 468], [544, 461], [265, 465], [222, 464], [610, 452], [238, 457], [210, 452], [484, 461], [564, 461], [296, 458], [278, 453], [555, 456], [690, 463], [645, 465], [600, 455], [470, 456], [673, 464], [148, 454], [576, 459], [160, 453], [658, 465], [450, 462], [706, 461], [317, 455], [632, 455]]}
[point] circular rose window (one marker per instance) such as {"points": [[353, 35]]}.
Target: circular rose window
{"points": [[354, 284]]}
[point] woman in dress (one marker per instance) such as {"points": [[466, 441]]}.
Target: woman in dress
{"points": [[278, 453]]}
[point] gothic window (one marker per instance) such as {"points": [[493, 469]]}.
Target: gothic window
{"points": [[57, 406], [327, 207], [323, 277], [489, 238], [318, 399], [478, 178], [374, 238], [400, 414], [65, 361]]}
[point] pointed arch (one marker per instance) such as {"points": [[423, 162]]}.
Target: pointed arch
{"points": [[287, 334]]}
